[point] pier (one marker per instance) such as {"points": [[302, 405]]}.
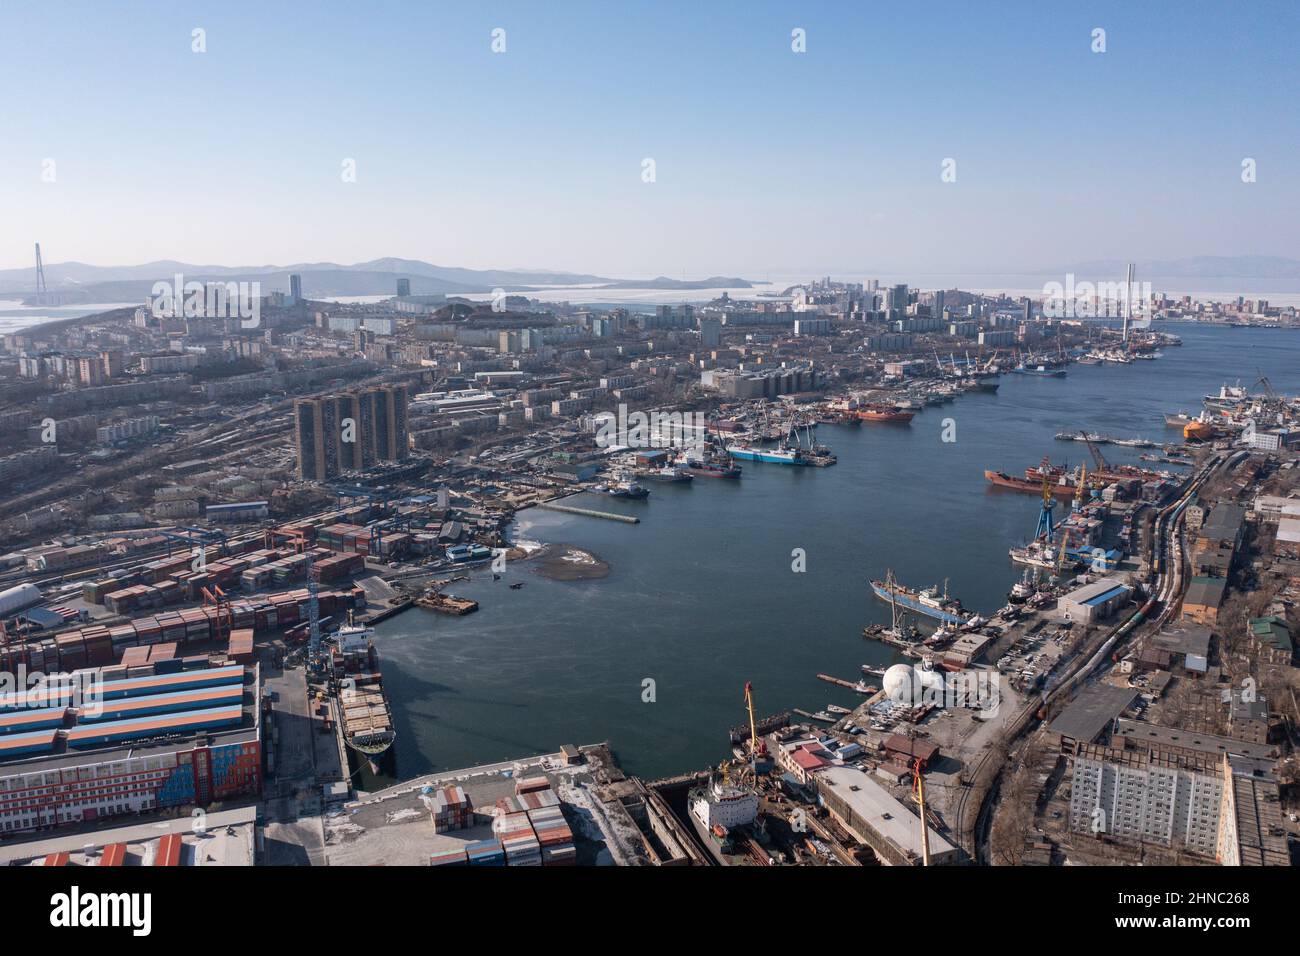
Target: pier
{"points": [[590, 512]]}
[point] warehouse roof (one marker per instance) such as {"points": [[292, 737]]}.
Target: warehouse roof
{"points": [[1092, 711], [878, 808], [1205, 592], [1143, 734]]}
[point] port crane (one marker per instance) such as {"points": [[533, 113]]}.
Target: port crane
{"points": [[1045, 524], [1102, 464], [756, 746], [918, 790], [216, 597]]}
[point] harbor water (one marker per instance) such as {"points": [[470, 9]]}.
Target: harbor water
{"points": [[701, 596]]}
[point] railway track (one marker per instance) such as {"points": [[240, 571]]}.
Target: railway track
{"points": [[1168, 574]]}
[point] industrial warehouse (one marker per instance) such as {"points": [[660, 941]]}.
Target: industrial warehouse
{"points": [[186, 738]]}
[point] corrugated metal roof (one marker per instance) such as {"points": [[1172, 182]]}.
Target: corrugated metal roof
{"points": [[195, 698], [153, 726], [38, 740], [28, 719], [157, 683]]}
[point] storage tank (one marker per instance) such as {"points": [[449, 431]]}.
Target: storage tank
{"points": [[18, 598]]}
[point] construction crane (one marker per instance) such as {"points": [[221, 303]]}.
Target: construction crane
{"points": [[918, 790]]}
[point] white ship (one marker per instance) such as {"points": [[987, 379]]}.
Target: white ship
{"points": [[717, 810]]}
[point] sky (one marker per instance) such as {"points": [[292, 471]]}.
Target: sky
{"points": [[765, 160]]}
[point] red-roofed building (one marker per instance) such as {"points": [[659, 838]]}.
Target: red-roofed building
{"points": [[907, 750]]}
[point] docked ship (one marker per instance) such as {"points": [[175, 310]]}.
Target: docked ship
{"points": [[624, 486], [1230, 397], [1041, 555], [1042, 371], [711, 468], [673, 474], [931, 601], [366, 718], [1060, 486], [717, 811], [774, 456], [884, 413]]}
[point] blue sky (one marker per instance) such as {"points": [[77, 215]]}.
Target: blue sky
{"points": [[767, 161]]}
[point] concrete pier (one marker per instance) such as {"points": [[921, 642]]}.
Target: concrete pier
{"points": [[591, 512]]}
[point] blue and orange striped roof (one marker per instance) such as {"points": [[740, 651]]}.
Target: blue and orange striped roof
{"points": [[36, 741], [154, 725], [193, 699]]}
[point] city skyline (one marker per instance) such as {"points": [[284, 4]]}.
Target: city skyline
{"points": [[765, 160]]}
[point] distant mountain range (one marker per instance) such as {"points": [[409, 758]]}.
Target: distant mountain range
{"points": [[89, 283], [1196, 267], [663, 282]]}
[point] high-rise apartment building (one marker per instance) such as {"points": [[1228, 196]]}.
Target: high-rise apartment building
{"points": [[350, 431]]}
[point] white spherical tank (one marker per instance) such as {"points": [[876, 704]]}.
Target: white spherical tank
{"points": [[16, 599], [898, 683]]}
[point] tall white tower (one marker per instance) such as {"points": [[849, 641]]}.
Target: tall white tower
{"points": [[1128, 300]]}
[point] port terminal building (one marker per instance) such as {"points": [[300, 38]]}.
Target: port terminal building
{"points": [[1095, 601]]}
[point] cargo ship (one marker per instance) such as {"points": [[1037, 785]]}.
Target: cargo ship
{"points": [[1061, 487], [930, 602], [884, 413], [773, 456], [717, 811], [1043, 371], [366, 718], [711, 468], [673, 474]]}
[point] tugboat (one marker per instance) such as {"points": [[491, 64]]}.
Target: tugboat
{"points": [[1023, 589]]}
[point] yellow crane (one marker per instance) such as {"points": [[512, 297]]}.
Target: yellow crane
{"points": [[1083, 480], [918, 790], [753, 727]]}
